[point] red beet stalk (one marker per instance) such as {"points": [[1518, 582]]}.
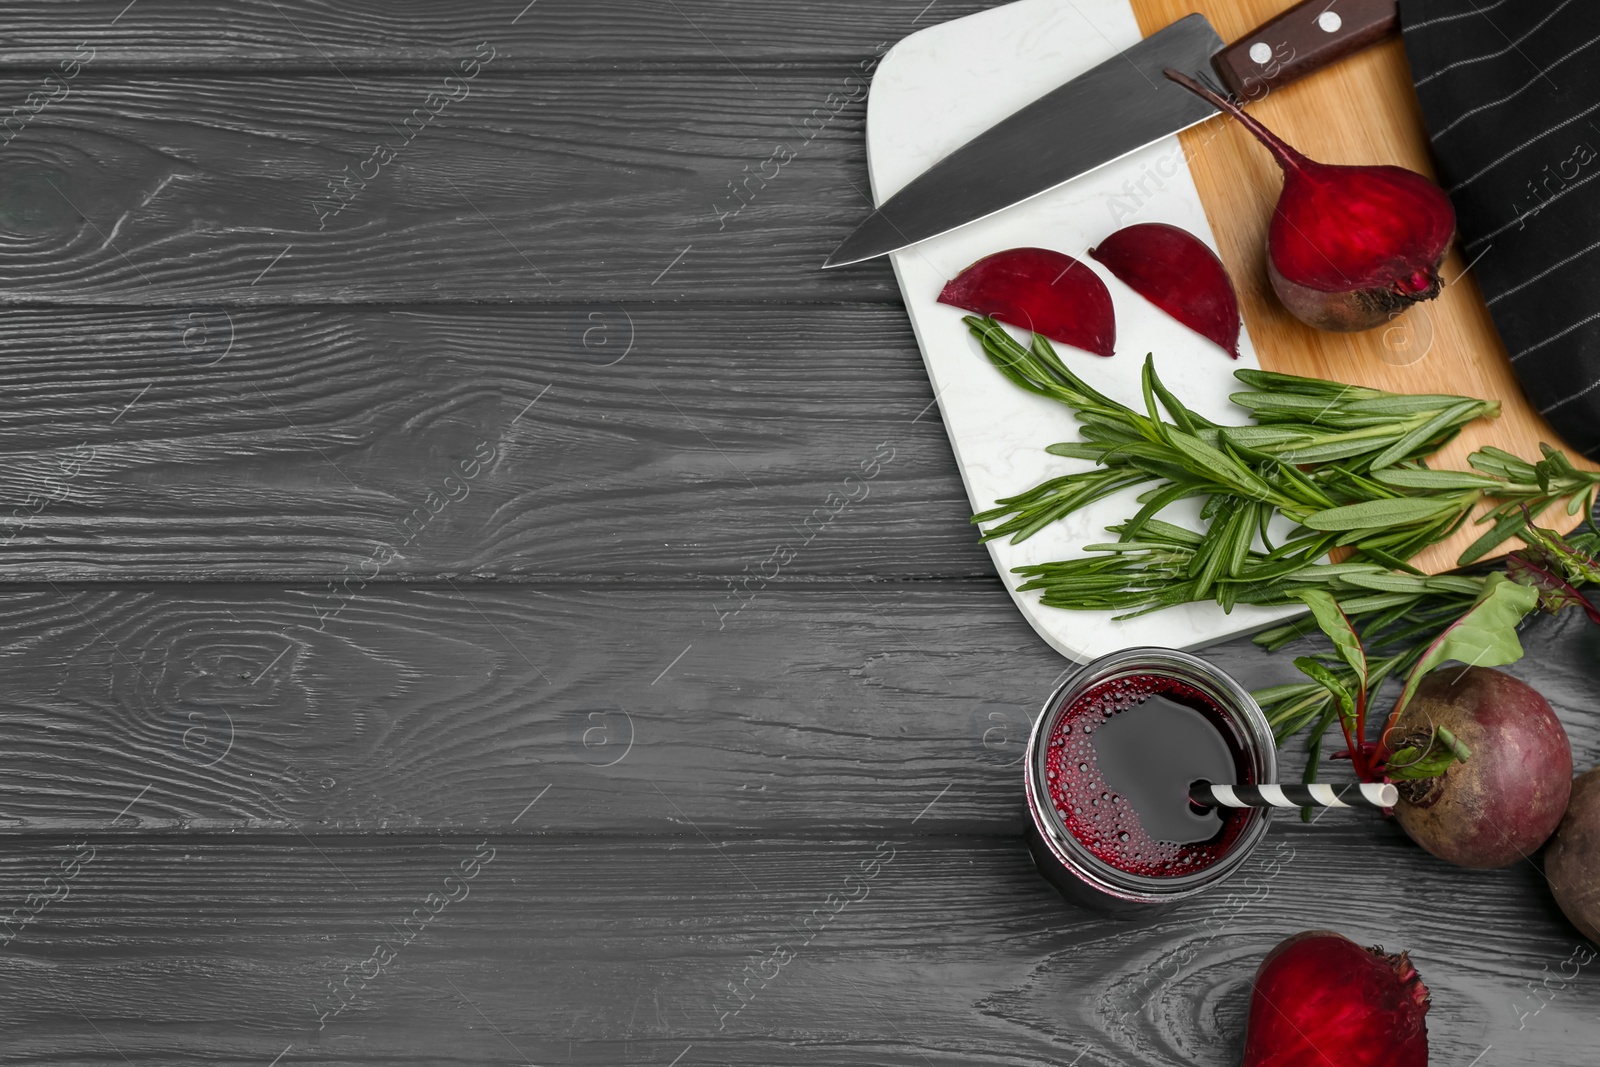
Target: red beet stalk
{"points": [[1349, 248], [1319, 999], [1040, 290], [1178, 273]]}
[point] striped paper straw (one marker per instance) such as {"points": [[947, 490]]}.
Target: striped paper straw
{"points": [[1344, 795]]}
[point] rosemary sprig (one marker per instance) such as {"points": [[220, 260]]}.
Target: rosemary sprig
{"points": [[1169, 565]]}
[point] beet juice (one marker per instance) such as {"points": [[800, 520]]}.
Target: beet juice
{"points": [[1109, 769], [1118, 769]]}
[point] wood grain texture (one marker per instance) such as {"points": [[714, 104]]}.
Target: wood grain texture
{"points": [[603, 439], [674, 771], [895, 950], [809, 710], [547, 35], [1362, 110], [658, 186], [416, 708]]}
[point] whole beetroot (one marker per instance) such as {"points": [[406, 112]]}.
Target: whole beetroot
{"points": [[1503, 802], [1349, 248], [1572, 861], [1320, 999]]}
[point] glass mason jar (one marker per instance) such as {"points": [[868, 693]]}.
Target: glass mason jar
{"points": [[1086, 879]]}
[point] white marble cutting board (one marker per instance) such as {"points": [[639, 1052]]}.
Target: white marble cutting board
{"points": [[933, 92]]}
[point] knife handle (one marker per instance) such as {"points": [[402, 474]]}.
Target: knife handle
{"points": [[1301, 41]]}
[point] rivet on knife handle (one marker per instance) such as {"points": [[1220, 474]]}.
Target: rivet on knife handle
{"points": [[1301, 41]]}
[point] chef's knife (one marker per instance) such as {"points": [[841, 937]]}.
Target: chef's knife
{"points": [[1116, 108]]}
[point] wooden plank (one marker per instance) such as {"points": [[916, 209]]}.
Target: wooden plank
{"points": [[414, 709], [552, 35], [485, 188], [880, 950], [588, 440], [1363, 110]]}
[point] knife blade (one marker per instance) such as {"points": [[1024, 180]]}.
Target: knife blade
{"points": [[1102, 115], [1110, 111]]}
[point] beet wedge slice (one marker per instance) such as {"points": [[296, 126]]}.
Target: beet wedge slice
{"points": [[1178, 273], [1037, 289]]}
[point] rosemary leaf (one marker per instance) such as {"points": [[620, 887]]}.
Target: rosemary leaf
{"points": [[1381, 513]]}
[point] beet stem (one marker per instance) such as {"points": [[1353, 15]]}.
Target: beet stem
{"points": [[1384, 750], [1287, 157], [1364, 767], [1353, 744]]}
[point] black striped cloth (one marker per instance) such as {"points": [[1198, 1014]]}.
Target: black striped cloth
{"points": [[1510, 90]]}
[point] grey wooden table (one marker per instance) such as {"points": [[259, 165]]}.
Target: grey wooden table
{"points": [[437, 628]]}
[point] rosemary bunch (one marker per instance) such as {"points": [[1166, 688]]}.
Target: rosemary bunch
{"points": [[1344, 463], [1346, 466]]}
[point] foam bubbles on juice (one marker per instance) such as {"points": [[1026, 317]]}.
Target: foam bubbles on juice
{"points": [[1103, 820]]}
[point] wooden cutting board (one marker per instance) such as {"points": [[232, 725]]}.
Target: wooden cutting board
{"points": [[1362, 110]]}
